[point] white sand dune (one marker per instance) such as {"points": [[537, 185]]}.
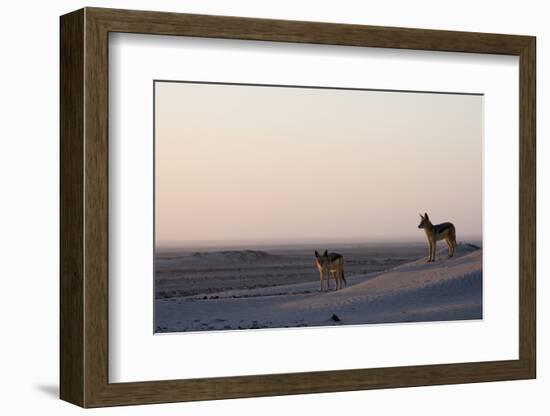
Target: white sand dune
{"points": [[449, 289]]}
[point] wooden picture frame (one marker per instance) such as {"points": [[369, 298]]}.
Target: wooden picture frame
{"points": [[84, 207]]}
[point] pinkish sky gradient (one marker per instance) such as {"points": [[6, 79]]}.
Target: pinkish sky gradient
{"points": [[242, 164]]}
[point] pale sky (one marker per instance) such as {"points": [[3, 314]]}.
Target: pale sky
{"points": [[242, 164]]}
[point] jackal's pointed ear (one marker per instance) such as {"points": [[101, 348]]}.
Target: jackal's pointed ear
{"points": [[316, 254], [326, 253], [426, 215], [421, 217]]}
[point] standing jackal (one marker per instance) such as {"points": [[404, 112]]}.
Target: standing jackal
{"points": [[445, 231], [330, 264]]}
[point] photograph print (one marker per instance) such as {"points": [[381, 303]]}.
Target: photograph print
{"points": [[295, 206]]}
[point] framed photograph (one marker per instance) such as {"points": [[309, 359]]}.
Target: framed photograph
{"points": [[254, 207]]}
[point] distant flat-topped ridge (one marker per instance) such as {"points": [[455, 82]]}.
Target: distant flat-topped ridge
{"points": [[234, 255]]}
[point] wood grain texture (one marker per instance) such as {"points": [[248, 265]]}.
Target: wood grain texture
{"points": [[71, 101], [84, 207], [527, 207], [96, 217], [162, 23]]}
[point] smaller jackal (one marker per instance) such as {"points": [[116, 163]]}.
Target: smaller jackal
{"points": [[444, 231], [330, 265]]}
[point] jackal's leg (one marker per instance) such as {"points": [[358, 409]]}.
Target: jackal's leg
{"points": [[450, 246], [432, 250], [429, 251]]}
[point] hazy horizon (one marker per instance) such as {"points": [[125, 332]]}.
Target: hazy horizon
{"points": [[239, 165], [321, 244]]}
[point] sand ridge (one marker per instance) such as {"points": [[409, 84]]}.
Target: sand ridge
{"points": [[449, 289]]}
